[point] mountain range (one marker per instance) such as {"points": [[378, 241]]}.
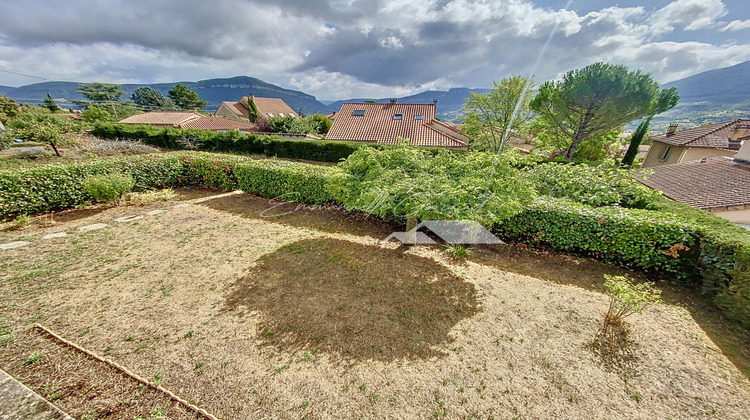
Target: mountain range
{"points": [[712, 96]]}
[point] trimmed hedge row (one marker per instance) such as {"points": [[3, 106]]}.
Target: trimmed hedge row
{"points": [[58, 187], [628, 237], [233, 142]]}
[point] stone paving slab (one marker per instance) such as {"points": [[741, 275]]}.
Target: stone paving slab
{"points": [[19, 402], [55, 235], [95, 226], [155, 212], [16, 244], [125, 219]]}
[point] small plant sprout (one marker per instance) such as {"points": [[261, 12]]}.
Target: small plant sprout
{"points": [[627, 298], [457, 251]]}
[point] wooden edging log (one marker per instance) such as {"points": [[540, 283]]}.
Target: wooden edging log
{"points": [[127, 372]]}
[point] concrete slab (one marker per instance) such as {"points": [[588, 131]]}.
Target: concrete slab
{"points": [[180, 206], [213, 197], [19, 402], [125, 219], [155, 212], [55, 235], [95, 226], [16, 244]]}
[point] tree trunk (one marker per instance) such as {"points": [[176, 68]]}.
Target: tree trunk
{"points": [[635, 143], [580, 134], [57, 152]]}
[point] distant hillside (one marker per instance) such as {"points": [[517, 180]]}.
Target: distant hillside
{"points": [[448, 106], [712, 96], [214, 91], [5, 89]]}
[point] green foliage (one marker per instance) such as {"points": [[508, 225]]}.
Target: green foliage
{"points": [[285, 181], [149, 99], [595, 186], [234, 142], [627, 298], [108, 187], [668, 99], [99, 92], [594, 100], [319, 124], [457, 251], [629, 237], [414, 183], [504, 109], [50, 104], [94, 114], [288, 124], [185, 98], [8, 108], [252, 109]]}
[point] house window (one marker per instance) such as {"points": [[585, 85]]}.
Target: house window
{"points": [[417, 117], [281, 114], [665, 153], [358, 113], [270, 114], [398, 116]]}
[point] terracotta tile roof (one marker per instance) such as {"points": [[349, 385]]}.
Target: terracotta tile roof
{"points": [[379, 125], [709, 135], [267, 107], [237, 108], [714, 184], [219, 123], [161, 118]]}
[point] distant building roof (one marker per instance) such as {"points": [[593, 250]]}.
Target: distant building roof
{"points": [[161, 118], [384, 123], [709, 184], [715, 136], [218, 123], [195, 120], [267, 107]]}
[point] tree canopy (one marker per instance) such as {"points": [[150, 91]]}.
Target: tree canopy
{"points": [[185, 98], [595, 100], [503, 111], [149, 99], [100, 92], [668, 99], [51, 104]]}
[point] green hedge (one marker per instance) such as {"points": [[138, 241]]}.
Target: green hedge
{"points": [[233, 142], [628, 237], [58, 187]]}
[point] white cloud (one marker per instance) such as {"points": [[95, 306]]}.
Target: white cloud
{"points": [[689, 14], [737, 25]]}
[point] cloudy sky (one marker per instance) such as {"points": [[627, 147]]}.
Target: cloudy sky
{"points": [[363, 48]]}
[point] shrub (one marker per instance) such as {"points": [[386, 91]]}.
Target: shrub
{"points": [[592, 185], [627, 298], [407, 182], [629, 237], [108, 187]]}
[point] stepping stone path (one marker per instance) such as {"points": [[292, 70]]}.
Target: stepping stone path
{"points": [[128, 219], [95, 226], [16, 244], [55, 235], [124, 219], [19, 402]]}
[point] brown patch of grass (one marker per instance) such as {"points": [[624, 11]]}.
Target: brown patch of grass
{"points": [[332, 296]]}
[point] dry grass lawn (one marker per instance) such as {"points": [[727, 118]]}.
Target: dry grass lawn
{"points": [[307, 315]]}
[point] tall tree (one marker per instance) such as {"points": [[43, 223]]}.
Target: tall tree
{"points": [[252, 109], [151, 99], [594, 100], [185, 98], [493, 116], [99, 92], [51, 104], [668, 98]]}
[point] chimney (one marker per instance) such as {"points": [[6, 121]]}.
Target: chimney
{"points": [[393, 101], [672, 128], [703, 160], [434, 101], [743, 155]]}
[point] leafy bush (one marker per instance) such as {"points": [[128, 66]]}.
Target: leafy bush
{"points": [[93, 114], [233, 142], [413, 183], [629, 237], [596, 186], [287, 181], [627, 298], [108, 187]]}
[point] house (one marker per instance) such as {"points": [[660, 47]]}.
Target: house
{"points": [[719, 184], [267, 108], [387, 123], [710, 140], [189, 120]]}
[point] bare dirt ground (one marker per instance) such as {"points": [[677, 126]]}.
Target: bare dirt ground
{"points": [[307, 315]]}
